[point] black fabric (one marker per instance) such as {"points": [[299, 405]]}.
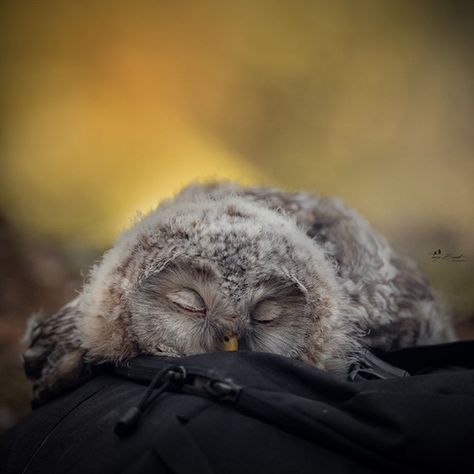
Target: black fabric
{"points": [[283, 416]]}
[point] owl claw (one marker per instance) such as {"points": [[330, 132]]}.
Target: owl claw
{"points": [[54, 359], [34, 360]]}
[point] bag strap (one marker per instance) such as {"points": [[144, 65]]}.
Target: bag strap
{"points": [[371, 367]]}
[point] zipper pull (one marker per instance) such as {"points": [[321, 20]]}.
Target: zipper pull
{"points": [[170, 378]]}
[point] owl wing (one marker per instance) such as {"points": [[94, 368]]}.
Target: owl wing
{"points": [[54, 359]]}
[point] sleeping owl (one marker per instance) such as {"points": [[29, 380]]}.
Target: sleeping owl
{"points": [[224, 267]]}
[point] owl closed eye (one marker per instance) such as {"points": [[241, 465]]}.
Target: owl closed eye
{"points": [[188, 301], [266, 312]]}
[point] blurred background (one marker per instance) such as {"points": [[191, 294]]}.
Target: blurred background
{"points": [[109, 107]]}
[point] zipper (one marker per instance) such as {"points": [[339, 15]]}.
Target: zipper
{"points": [[176, 378]]}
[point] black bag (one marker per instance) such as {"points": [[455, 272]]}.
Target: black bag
{"points": [[247, 412]]}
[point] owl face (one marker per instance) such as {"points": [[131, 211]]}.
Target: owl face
{"points": [[189, 307], [192, 277]]}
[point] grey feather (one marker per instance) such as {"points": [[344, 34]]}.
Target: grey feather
{"points": [[288, 273]]}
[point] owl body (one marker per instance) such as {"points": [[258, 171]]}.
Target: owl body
{"points": [[289, 273]]}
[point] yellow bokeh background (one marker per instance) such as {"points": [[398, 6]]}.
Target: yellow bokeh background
{"points": [[108, 107]]}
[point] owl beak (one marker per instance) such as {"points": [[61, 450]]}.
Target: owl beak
{"points": [[230, 343]]}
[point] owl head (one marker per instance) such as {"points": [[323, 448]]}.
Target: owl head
{"points": [[205, 273]]}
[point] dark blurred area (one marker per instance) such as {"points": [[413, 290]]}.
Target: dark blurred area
{"points": [[34, 276], [107, 108]]}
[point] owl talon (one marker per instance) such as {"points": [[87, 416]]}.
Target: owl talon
{"points": [[34, 360]]}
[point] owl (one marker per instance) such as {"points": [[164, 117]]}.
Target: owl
{"points": [[226, 267]]}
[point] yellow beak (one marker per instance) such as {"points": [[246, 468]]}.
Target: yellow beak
{"points": [[230, 343]]}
